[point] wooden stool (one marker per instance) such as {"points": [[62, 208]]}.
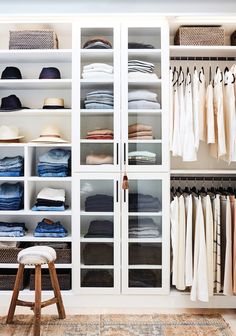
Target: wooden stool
{"points": [[37, 256]]}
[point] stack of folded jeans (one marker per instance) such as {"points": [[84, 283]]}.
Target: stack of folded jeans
{"points": [[142, 158], [141, 70], [143, 203], [137, 45], [12, 166], [143, 227], [99, 159], [98, 254], [97, 43], [97, 71], [50, 199], [99, 99], [48, 228], [140, 131], [11, 196], [99, 203], [97, 278], [142, 99], [100, 134], [100, 229], [145, 254], [55, 162], [12, 229], [144, 278]]}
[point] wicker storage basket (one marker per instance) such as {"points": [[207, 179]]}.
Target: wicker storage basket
{"points": [[7, 279], [63, 256], [9, 255], [200, 35], [33, 39], [64, 278]]}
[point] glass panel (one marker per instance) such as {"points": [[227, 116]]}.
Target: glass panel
{"points": [[97, 253], [97, 227], [88, 34], [145, 254], [141, 227], [150, 35], [97, 278], [144, 93], [90, 124], [140, 154], [97, 154], [145, 278]]}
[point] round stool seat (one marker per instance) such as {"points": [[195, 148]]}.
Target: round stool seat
{"points": [[36, 255]]}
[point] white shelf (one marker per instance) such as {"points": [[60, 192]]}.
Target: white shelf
{"points": [[49, 213], [87, 213], [29, 237], [202, 51], [11, 178], [154, 141], [202, 172], [146, 214], [149, 55], [36, 56], [35, 84], [82, 266], [37, 112], [2, 265], [144, 112], [49, 179], [144, 266], [145, 83], [96, 112], [93, 84], [41, 144], [96, 240], [12, 213], [96, 55], [100, 141], [145, 240]]}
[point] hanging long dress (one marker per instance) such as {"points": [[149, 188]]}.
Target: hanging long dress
{"points": [[196, 108], [176, 145], [210, 115], [174, 218], [189, 242], [202, 106]]}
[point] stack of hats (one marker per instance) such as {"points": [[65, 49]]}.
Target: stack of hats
{"points": [[98, 71], [49, 228], [99, 99], [12, 229], [99, 203], [50, 199], [55, 162], [12, 166], [100, 229], [49, 134], [142, 158], [97, 43], [141, 70], [100, 134], [143, 227], [140, 131], [142, 99], [11, 196], [143, 203]]}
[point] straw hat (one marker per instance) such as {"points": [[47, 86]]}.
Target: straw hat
{"points": [[49, 134], [53, 103], [9, 133]]}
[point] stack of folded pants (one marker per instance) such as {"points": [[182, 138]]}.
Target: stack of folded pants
{"points": [[97, 43], [12, 166], [145, 254], [98, 254], [97, 278], [12, 229], [143, 227], [98, 71], [49, 228], [138, 45], [142, 99], [144, 278], [140, 131], [99, 159], [142, 158], [141, 70], [99, 99], [99, 203], [50, 199], [55, 162], [143, 203], [100, 134], [11, 196], [100, 229]]}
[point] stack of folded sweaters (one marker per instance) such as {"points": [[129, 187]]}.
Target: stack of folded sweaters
{"points": [[12, 166], [98, 71], [141, 70], [97, 43], [49, 228], [143, 203], [99, 203], [140, 131], [142, 99], [100, 229], [145, 254], [50, 199], [144, 278], [143, 227], [98, 254], [55, 162], [99, 99], [99, 159], [11, 196], [142, 158], [97, 278], [12, 229], [100, 134]]}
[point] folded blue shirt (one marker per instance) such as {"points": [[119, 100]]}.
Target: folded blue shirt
{"points": [[52, 234], [11, 190], [56, 155], [45, 208]]}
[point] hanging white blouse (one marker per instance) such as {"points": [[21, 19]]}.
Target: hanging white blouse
{"points": [[171, 103], [174, 219], [182, 114], [202, 106], [196, 108], [210, 122], [176, 144], [228, 276], [189, 242], [180, 284], [217, 243]]}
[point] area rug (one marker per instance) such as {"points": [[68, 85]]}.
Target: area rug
{"points": [[121, 325]]}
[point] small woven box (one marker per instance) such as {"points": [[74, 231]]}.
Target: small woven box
{"points": [[33, 39], [200, 35]]}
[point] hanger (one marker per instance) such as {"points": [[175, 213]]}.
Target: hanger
{"points": [[210, 74]]}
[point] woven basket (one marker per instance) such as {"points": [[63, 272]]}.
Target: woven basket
{"points": [[200, 35], [7, 279], [64, 278], [9, 255], [33, 39], [63, 256]]}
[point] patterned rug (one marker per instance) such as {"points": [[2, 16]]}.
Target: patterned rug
{"points": [[121, 325]]}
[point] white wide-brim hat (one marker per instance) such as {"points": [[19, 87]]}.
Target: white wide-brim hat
{"points": [[9, 133], [49, 134]]}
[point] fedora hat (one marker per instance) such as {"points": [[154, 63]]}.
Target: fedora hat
{"points": [[11, 73], [50, 73], [11, 103], [49, 134], [53, 103], [9, 133]]}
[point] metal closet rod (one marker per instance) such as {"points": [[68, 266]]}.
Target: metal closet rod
{"points": [[203, 178], [203, 58]]}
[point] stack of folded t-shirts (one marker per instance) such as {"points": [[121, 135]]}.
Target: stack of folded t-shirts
{"points": [[97, 278], [97, 71], [100, 134], [99, 203], [145, 254], [144, 278], [99, 99], [138, 45], [143, 227], [55, 162], [12, 166], [97, 43], [141, 70], [140, 131], [50, 199], [142, 158], [142, 99], [49, 228], [143, 203], [99, 159], [11, 196], [98, 254], [100, 229], [12, 229]]}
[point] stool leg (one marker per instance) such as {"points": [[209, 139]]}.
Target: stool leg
{"points": [[57, 292], [37, 306], [19, 278]]}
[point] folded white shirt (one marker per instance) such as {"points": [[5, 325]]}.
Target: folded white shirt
{"points": [[99, 66], [143, 104], [98, 70], [95, 75], [142, 94], [142, 76], [52, 194]]}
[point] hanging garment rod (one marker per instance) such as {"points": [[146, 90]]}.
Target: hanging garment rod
{"points": [[203, 178], [203, 58]]}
